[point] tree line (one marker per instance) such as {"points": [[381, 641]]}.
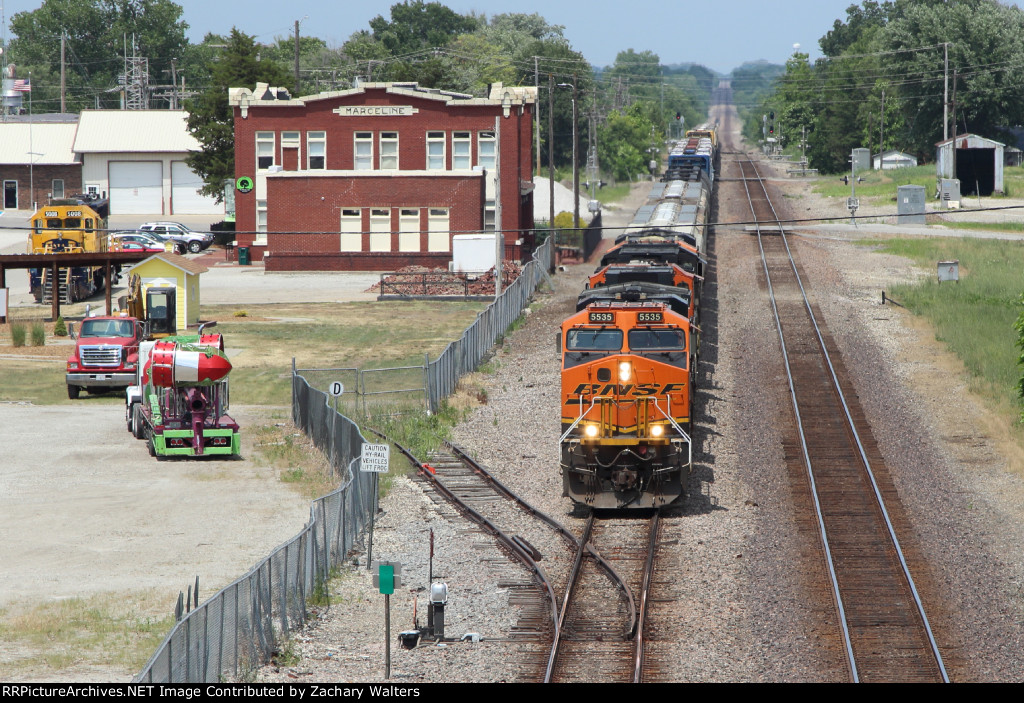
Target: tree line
{"points": [[882, 82], [624, 111]]}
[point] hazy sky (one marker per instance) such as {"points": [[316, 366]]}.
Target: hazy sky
{"points": [[720, 34]]}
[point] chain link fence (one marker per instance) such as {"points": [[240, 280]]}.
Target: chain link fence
{"points": [[238, 629], [464, 354]]}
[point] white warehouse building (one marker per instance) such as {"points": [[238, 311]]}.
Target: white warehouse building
{"points": [[137, 158]]}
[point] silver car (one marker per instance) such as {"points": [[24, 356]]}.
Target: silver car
{"points": [[195, 242]]}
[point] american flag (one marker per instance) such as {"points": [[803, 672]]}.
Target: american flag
{"points": [[23, 85]]}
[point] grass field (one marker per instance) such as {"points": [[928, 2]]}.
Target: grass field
{"points": [[117, 631], [974, 317], [879, 184], [262, 343]]}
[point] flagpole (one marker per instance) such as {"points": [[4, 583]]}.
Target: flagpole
{"points": [[31, 150]]}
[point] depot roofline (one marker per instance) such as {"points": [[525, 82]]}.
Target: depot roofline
{"points": [[266, 96]]}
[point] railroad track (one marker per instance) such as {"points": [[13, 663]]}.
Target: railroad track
{"points": [[885, 630], [602, 636], [552, 554]]}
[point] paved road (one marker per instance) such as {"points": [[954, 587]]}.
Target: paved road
{"points": [[225, 283]]}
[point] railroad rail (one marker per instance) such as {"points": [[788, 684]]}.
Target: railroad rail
{"points": [[482, 498], [597, 642], [885, 630]]}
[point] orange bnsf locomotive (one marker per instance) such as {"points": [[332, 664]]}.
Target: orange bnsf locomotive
{"points": [[629, 354], [627, 402]]}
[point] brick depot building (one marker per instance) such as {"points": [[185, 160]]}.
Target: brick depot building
{"points": [[380, 176]]}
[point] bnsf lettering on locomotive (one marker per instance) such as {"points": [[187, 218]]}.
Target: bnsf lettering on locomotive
{"points": [[644, 389]]}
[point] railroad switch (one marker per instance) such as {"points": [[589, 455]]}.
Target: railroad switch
{"points": [[438, 600]]}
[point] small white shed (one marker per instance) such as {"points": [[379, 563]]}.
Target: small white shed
{"points": [[893, 159], [978, 163]]}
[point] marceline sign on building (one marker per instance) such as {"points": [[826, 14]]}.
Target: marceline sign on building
{"points": [[376, 110]]}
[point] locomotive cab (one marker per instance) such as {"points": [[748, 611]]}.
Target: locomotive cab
{"points": [[626, 404]]}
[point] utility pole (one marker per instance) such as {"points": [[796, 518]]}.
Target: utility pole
{"points": [[953, 111], [803, 147], [536, 117], [945, 91], [174, 85], [881, 129], [63, 84], [871, 129], [297, 57], [499, 232], [575, 161], [551, 153]]}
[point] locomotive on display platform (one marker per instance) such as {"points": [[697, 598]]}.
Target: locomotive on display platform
{"points": [[629, 353]]}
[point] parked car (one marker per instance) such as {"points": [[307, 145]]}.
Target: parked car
{"points": [[143, 241], [194, 241]]}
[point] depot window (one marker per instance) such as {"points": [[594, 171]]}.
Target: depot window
{"points": [[261, 215], [435, 151], [438, 229], [489, 216], [351, 229], [57, 188], [380, 229], [363, 151], [265, 147], [409, 229], [389, 151], [316, 149], [591, 339], [462, 150], [488, 150]]}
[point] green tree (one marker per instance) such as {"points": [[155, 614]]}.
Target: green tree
{"points": [[416, 25], [98, 33], [210, 119], [511, 30], [986, 46], [624, 142]]}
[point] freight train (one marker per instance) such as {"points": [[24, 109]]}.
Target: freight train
{"points": [[629, 353]]}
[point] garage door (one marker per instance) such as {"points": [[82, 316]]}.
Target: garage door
{"points": [[136, 188], [185, 200]]}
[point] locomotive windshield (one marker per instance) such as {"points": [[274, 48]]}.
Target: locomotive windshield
{"points": [[663, 344], [584, 339], [646, 338]]}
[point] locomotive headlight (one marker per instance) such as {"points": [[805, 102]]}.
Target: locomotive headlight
{"points": [[657, 430], [590, 430], [625, 371]]}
